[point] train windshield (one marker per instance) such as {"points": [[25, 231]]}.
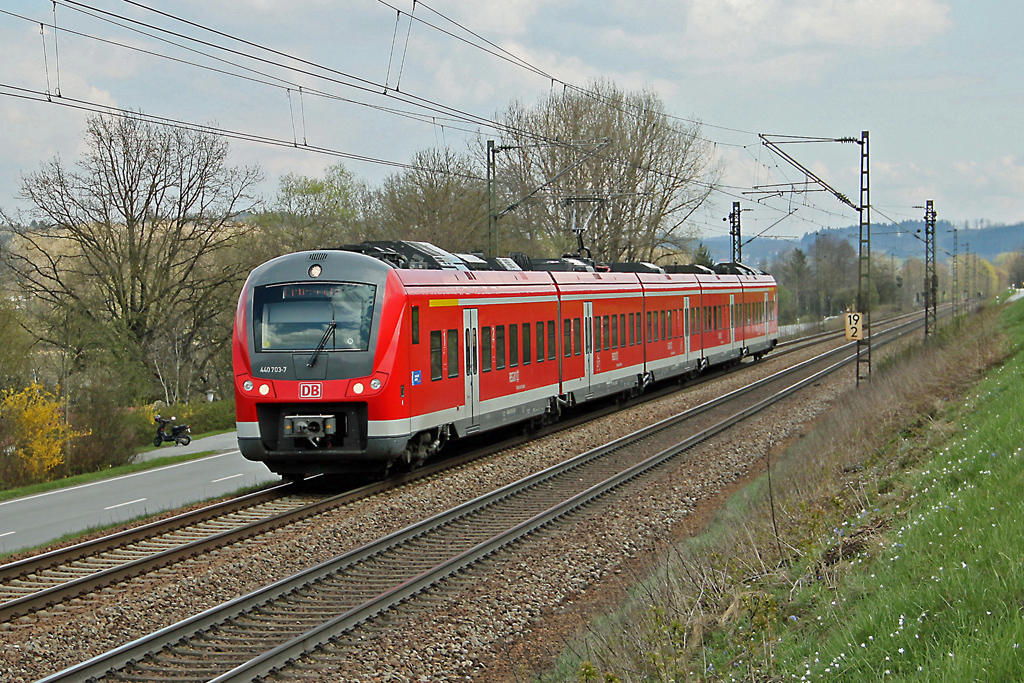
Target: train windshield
{"points": [[296, 317]]}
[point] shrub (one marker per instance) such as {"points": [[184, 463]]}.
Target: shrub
{"points": [[34, 435], [200, 416], [111, 439]]}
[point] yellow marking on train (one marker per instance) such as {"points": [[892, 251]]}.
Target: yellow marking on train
{"points": [[435, 303]]}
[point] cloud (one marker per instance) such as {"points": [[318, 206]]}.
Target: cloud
{"points": [[801, 23]]}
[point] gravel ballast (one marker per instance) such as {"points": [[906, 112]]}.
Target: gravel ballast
{"points": [[495, 624]]}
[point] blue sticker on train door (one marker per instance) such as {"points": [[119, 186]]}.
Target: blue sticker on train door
{"points": [[416, 377]]}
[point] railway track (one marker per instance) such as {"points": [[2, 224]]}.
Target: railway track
{"points": [[44, 580], [262, 632]]}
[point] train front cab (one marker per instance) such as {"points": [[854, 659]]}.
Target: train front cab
{"points": [[300, 410]]}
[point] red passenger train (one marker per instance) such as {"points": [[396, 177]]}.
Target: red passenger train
{"points": [[354, 359]]}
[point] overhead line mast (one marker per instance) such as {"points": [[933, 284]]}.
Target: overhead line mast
{"points": [[864, 212], [931, 279]]}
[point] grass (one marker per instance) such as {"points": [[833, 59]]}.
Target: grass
{"points": [[108, 473], [78, 536], [150, 447], [111, 472], [900, 549]]}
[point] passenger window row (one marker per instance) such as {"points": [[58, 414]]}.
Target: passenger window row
{"points": [[608, 332], [532, 346]]}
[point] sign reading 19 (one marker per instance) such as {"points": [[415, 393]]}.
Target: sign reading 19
{"points": [[854, 326]]}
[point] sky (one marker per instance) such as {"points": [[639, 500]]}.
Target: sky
{"points": [[938, 85]]}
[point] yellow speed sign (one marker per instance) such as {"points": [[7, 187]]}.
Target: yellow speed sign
{"points": [[854, 326]]}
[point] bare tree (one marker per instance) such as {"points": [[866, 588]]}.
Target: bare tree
{"points": [[126, 239], [440, 200], [634, 194]]}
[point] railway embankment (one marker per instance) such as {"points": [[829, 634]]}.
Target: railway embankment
{"points": [[882, 544]]}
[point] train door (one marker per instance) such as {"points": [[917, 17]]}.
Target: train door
{"points": [[764, 316], [588, 346], [686, 327], [471, 329], [732, 322]]}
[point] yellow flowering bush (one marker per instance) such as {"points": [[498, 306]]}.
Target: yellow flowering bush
{"points": [[34, 433]]}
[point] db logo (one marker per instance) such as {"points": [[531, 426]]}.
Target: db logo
{"points": [[311, 390]]}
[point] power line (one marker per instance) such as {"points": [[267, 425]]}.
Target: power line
{"points": [[362, 84], [84, 105]]}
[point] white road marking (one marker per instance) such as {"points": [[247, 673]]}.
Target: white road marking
{"points": [[233, 476], [116, 479], [8, 533], [130, 502]]}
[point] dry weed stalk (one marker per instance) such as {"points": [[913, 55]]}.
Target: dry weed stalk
{"points": [[711, 584]]}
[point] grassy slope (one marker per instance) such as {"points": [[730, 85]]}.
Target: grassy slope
{"points": [[902, 560], [942, 600]]}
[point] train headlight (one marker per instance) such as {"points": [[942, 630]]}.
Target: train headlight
{"points": [[357, 388], [264, 389], [248, 385], [375, 384]]}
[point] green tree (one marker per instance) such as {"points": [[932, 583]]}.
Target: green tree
{"points": [[702, 256], [309, 213], [794, 272]]}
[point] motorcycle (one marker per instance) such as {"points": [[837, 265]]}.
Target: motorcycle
{"points": [[179, 434]]}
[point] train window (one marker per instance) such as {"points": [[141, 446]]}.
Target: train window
{"points": [[453, 353], [540, 341], [499, 347], [622, 329], [513, 345], [415, 324], [639, 328], [526, 344], [671, 330], [607, 341], [649, 337], [551, 340], [632, 335], [567, 337], [597, 333], [663, 325], [485, 348], [435, 355], [577, 336], [615, 331], [300, 317]]}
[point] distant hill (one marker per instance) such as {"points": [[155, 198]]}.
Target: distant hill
{"points": [[902, 240]]}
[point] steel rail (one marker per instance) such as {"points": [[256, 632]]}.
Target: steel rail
{"points": [[274, 658], [55, 592]]}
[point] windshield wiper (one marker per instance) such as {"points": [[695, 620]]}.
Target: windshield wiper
{"points": [[323, 342]]}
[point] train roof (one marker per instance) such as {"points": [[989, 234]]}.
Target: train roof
{"points": [[409, 254]]}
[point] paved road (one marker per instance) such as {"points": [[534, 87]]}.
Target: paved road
{"points": [[34, 520]]}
